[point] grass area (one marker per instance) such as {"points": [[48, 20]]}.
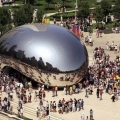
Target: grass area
{"points": [[18, 2], [64, 15]]}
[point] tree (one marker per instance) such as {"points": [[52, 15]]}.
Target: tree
{"points": [[83, 10], [116, 11], [117, 2], [40, 16], [32, 2], [98, 14], [5, 17], [5, 20], [106, 6], [23, 15], [48, 1], [63, 3]]}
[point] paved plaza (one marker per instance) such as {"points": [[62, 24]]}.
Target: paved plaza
{"points": [[102, 110]]}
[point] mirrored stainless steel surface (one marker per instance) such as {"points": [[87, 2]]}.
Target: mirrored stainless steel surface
{"points": [[45, 46]]}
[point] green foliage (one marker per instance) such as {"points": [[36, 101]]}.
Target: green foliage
{"points": [[23, 15], [48, 1], [106, 6], [32, 2], [117, 2], [98, 14], [4, 16], [116, 11], [40, 16], [5, 20], [84, 10], [64, 15]]}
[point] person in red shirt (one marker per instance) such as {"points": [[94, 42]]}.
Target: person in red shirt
{"points": [[63, 100], [53, 92]]}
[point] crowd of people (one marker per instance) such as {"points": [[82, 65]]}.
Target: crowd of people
{"points": [[105, 73], [112, 47]]}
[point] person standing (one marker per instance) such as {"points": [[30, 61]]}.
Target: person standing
{"points": [[74, 87], [37, 112], [86, 91], [47, 114], [97, 92], [116, 49], [91, 114], [73, 106], [82, 116], [119, 48], [8, 104], [21, 112], [47, 87], [101, 92], [53, 91], [71, 90], [113, 98], [86, 118], [41, 104], [107, 45], [56, 89], [82, 104]]}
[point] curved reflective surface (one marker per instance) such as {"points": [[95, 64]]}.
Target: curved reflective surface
{"points": [[45, 46]]}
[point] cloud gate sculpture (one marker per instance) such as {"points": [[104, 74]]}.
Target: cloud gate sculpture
{"points": [[48, 54]]}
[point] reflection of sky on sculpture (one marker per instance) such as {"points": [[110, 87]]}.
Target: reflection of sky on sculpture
{"points": [[56, 45]]}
